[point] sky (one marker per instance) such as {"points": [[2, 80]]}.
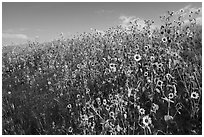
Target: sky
{"points": [[45, 21]]}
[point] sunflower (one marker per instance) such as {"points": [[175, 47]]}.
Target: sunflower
{"points": [[49, 83], [112, 67], [198, 10], [110, 97], [137, 57], [137, 47], [104, 102], [69, 106], [111, 114], [146, 48], [159, 65], [141, 111], [194, 95], [181, 10], [107, 108], [171, 95], [164, 39], [155, 107], [146, 120], [152, 58], [70, 129], [159, 83], [146, 74]]}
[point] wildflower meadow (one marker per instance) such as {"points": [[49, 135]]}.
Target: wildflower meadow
{"points": [[123, 81]]}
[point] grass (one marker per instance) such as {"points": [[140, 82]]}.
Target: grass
{"points": [[117, 83]]}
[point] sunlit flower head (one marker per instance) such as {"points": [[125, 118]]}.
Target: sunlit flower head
{"points": [[104, 101], [111, 114], [159, 65], [171, 95], [69, 106], [155, 106], [110, 96], [107, 108], [70, 129], [146, 74], [136, 47], [194, 95], [146, 48], [198, 10], [159, 83], [141, 111], [137, 57], [112, 67], [164, 39], [146, 120], [181, 10], [152, 58]]}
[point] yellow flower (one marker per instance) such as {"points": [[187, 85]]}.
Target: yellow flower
{"points": [[146, 74], [171, 95], [70, 129], [194, 95], [112, 67], [141, 111], [69, 105], [104, 102], [152, 58], [159, 65], [155, 106], [181, 10], [111, 114], [146, 120], [146, 48], [137, 47], [107, 108], [137, 57], [159, 83], [164, 39]]}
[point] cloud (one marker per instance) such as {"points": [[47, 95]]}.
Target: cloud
{"points": [[199, 20], [125, 21], [14, 36], [22, 29], [187, 7], [39, 30], [104, 11]]}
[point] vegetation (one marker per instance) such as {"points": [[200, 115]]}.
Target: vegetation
{"points": [[121, 82]]}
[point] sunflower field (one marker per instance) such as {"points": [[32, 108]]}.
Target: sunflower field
{"points": [[125, 81]]}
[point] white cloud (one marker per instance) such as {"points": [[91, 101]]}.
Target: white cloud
{"points": [[199, 20], [125, 22], [16, 30], [104, 11], [187, 7], [14, 36]]}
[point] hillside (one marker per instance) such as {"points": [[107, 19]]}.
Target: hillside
{"points": [[121, 82]]}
